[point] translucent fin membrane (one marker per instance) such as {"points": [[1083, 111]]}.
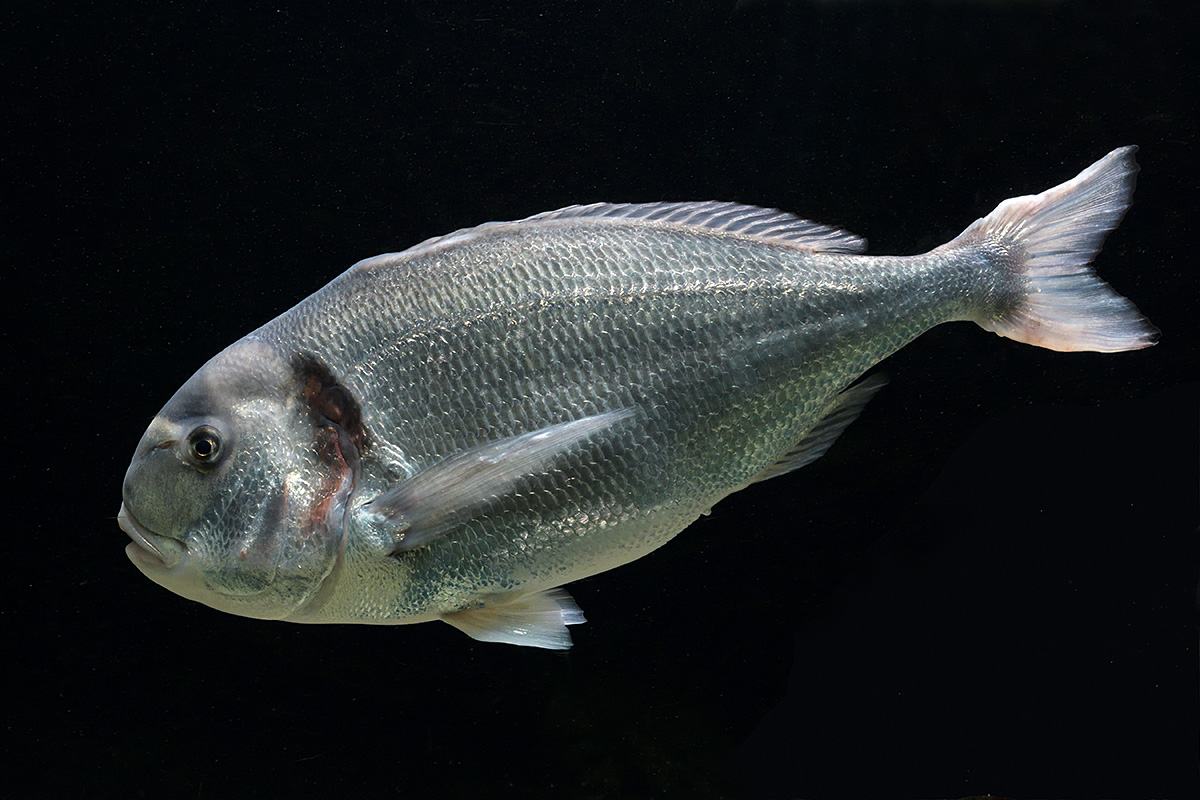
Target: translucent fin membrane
{"points": [[1049, 239]]}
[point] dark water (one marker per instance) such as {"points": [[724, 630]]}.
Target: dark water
{"points": [[988, 586]]}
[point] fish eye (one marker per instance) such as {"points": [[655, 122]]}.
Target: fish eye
{"points": [[204, 445]]}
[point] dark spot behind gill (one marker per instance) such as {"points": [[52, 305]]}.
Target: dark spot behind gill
{"points": [[330, 403]]}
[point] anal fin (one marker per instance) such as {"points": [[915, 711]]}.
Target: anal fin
{"points": [[534, 620], [820, 438]]}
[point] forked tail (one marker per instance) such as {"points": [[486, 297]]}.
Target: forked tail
{"points": [[1045, 293]]}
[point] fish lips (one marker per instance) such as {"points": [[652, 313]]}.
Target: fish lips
{"points": [[149, 549]]}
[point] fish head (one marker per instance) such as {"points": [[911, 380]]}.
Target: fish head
{"points": [[236, 493]]}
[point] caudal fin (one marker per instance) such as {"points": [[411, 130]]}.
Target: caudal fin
{"points": [[1050, 297]]}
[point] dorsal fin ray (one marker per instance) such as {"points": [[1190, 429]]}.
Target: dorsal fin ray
{"points": [[751, 222]]}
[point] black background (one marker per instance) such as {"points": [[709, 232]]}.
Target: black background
{"points": [[988, 585]]}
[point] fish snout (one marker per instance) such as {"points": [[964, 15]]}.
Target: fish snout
{"points": [[148, 548]]}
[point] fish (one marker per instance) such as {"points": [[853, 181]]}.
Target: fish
{"points": [[456, 431]]}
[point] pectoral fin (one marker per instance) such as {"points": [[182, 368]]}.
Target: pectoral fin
{"points": [[533, 620], [464, 485], [817, 441]]}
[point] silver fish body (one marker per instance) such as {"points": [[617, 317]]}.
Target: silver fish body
{"points": [[455, 431]]}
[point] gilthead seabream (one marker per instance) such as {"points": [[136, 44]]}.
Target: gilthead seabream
{"points": [[456, 431]]}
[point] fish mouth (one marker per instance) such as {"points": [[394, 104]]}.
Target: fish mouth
{"points": [[149, 548]]}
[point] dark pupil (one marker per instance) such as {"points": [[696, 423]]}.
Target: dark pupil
{"points": [[204, 447]]}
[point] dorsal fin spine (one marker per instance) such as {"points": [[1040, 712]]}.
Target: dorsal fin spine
{"points": [[764, 224]]}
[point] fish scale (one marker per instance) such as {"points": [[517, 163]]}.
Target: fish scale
{"points": [[724, 408]]}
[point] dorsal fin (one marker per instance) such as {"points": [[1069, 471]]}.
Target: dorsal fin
{"points": [[752, 222]]}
